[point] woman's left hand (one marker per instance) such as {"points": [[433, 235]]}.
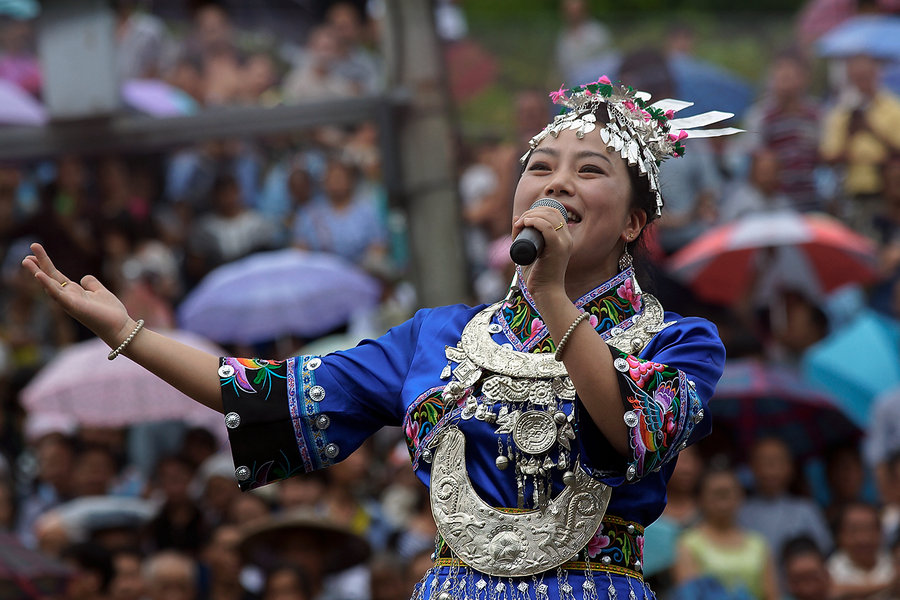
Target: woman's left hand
{"points": [[548, 271]]}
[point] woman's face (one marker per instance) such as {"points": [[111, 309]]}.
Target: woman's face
{"points": [[720, 497], [593, 184]]}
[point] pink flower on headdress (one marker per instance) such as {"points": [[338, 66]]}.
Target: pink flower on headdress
{"points": [[647, 116], [560, 93], [670, 114], [628, 104], [677, 138], [604, 80]]}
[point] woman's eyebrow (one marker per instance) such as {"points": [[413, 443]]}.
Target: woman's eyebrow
{"points": [[592, 154]]}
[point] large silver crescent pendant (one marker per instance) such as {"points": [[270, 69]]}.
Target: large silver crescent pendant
{"points": [[510, 544]]}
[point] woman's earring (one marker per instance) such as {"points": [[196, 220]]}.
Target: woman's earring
{"points": [[625, 261]]}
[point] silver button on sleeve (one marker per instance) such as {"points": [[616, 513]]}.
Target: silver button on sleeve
{"points": [[316, 393], [226, 371], [332, 450], [232, 420], [314, 364], [323, 421], [242, 473]]}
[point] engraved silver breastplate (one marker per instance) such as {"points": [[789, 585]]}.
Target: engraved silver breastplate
{"points": [[531, 391]]}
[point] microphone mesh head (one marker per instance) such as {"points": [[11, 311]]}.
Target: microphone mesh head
{"points": [[553, 204]]}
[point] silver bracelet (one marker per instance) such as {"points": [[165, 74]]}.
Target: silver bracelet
{"points": [[123, 345], [565, 338]]}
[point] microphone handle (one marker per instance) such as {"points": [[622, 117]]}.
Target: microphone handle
{"points": [[527, 246]]}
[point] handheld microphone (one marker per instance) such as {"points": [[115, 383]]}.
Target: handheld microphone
{"points": [[529, 243]]}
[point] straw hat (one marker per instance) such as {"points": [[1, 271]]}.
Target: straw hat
{"points": [[303, 536]]}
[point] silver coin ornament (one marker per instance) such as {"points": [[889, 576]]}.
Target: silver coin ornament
{"points": [[534, 432], [502, 462]]}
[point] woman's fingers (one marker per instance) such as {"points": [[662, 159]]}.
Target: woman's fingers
{"points": [[46, 265]]}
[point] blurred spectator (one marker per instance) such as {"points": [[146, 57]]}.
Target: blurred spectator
{"points": [[354, 63], [170, 576], [8, 512], [66, 219], [128, 579], [859, 566], [245, 510], [94, 571], [859, 135], [786, 123], [388, 578], [761, 191], [229, 232], [344, 221], [772, 510], [449, 20], [94, 471], [349, 504], [179, 525], [18, 61], [582, 39], [140, 41], [259, 81], [303, 491], [287, 582], [718, 546], [846, 478], [886, 222], [682, 511], [55, 457], [315, 76], [214, 486], [221, 565], [888, 477], [806, 576]]}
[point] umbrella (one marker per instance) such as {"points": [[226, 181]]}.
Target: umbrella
{"points": [[80, 382], [272, 294], [157, 98], [18, 107], [816, 252], [754, 400], [874, 35], [28, 575], [83, 516], [857, 363], [708, 86], [818, 17]]}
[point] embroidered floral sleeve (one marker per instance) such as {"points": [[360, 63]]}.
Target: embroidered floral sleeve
{"points": [[663, 408], [308, 412], [665, 391]]}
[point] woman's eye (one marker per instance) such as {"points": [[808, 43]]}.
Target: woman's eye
{"points": [[592, 169], [539, 166]]}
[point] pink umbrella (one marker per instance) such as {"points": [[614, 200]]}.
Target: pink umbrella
{"points": [[157, 98], [81, 383], [816, 252]]}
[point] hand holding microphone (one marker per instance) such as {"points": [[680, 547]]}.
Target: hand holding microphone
{"points": [[529, 243]]}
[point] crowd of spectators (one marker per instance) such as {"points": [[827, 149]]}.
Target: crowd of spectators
{"points": [[737, 525]]}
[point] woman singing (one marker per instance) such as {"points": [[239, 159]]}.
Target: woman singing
{"points": [[545, 425]]}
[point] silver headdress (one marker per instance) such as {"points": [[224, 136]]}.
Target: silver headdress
{"points": [[643, 134]]}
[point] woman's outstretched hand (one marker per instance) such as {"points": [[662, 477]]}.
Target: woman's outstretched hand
{"points": [[89, 302]]}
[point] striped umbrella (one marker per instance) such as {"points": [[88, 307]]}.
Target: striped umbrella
{"points": [[755, 399], [29, 575], [810, 252]]}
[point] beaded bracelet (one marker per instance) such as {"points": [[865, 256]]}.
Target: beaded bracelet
{"points": [[123, 345], [565, 338]]}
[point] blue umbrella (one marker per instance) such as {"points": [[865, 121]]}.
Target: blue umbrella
{"points": [[873, 35], [857, 363], [708, 86]]}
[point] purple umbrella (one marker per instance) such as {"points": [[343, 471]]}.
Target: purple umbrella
{"points": [[18, 107], [157, 98], [273, 294]]}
